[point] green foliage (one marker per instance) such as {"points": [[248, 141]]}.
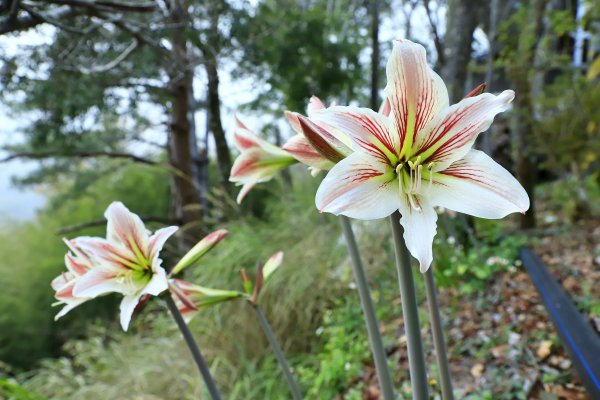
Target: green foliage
{"points": [[11, 390], [345, 351], [300, 51], [570, 130], [470, 269]]}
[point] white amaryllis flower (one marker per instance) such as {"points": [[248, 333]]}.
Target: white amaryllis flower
{"points": [[127, 260], [259, 160], [313, 144], [78, 264], [419, 156]]}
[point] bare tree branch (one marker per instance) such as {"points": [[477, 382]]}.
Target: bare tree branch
{"points": [[90, 224], [78, 154], [49, 20], [133, 31], [437, 40], [107, 67], [29, 21], [107, 5]]}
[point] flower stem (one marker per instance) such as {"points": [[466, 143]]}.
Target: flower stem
{"points": [[438, 336], [366, 301], [293, 385], [194, 349], [410, 312]]}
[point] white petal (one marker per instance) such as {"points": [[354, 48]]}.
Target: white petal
{"points": [[101, 280], [369, 131], [415, 92], [126, 228], [157, 241], [127, 307], [478, 186], [359, 187], [419, 229], [158, 283], [451, 134], [68, 307], [272, 264], [244, 191]]}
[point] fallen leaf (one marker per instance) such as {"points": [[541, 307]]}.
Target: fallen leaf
{"points": [[544, 349], [477, 370]]}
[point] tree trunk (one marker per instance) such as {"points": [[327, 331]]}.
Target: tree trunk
{"points": [[182, 138], [210, 50], [374, 5], [519, 70], [484, 141], [462, 21], [216, 127]]}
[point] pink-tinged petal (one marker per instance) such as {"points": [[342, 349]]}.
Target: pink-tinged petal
{"points": [[300, 148], [359, 187], [158, 283], [255, 164], [451, 134], [200, 249], [127, 308], [157, 241], [478, 186], [324, 142], [419, 229], [313, 105], [63, 286], [369, 131], [246, 165], [102, 280], [385, 109], [126, 229], [479, 89], [243, 137], [62, 280], [108, 253], [272, 264], [415, 92], [77, 261], [294, 121], [244, 191]]}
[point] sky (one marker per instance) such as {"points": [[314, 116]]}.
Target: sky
{"points": [[21, 203]]}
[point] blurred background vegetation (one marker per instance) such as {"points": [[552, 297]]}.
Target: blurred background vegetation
{"points": [[124, 101]]}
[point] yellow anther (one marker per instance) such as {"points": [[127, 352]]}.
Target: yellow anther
{"points": [[411, 164]]}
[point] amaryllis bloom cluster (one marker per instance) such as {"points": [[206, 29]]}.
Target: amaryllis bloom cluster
{"points": [[126, 262], [259, 160], [418, 157]]}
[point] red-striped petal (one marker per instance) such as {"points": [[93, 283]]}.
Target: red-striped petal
{"points": [[359, 187], [451, 134], [415, 92], [478, 186], [368, 130]]}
